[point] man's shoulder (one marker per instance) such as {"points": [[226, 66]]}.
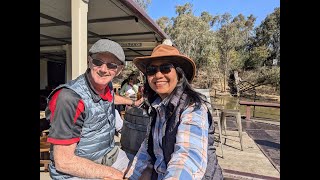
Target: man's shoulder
{"points": [[67, 94]]}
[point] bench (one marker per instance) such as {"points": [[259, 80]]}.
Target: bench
{"points": [[261, 104]]}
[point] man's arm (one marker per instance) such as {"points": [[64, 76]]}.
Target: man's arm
{"points": [[66, 161], [126, 101]]}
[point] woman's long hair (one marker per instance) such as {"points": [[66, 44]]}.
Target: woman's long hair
{"points": [[193, 96]]}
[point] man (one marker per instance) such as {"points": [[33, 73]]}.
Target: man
{"points": [[82, 119]]}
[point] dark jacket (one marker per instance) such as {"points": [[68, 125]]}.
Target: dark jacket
{"points": [[174, 110]]}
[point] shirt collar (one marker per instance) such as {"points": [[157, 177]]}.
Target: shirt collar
{"points": [[95, 95], [170, 101]]}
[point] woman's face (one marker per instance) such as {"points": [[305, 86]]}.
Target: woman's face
{"points": [[163, 83]]}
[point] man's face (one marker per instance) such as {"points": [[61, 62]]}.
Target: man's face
{"points": [[104, 67]]}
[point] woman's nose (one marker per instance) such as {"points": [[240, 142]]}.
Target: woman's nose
{"points": [[158, 74]]}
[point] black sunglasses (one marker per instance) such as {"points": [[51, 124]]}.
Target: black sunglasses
{"points": [[98, 62], [164, 69]]}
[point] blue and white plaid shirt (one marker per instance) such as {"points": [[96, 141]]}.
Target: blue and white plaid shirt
{"points": [[189, 159]]}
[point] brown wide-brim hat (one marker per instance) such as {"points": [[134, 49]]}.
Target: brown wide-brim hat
{"points": [[170, 54]]}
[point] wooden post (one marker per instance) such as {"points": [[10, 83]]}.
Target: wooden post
{"points": [[248, 112], [79, 18]]}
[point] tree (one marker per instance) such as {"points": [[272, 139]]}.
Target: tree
{"points": [[143, 3], [222, 44], [268, 34], [165, 24], [231, 40], [256, 58], [194, 37]]}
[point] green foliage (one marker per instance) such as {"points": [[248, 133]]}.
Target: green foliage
{"points": [[222, 43], [269, 75], [264, 76], [165, 24], [143, 3], [129, 68], [268, 34], [192, 35], [258, 55], [232, 37], [185, 9]]}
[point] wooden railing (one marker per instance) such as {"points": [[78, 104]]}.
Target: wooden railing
{"points": [[261, 104]]}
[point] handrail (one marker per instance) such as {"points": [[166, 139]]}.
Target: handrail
{"points": [[263, 104], [254, 104]]}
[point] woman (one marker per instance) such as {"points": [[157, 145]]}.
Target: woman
{"points": [[129, 88], [179, 140]]}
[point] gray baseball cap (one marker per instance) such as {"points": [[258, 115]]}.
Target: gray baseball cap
{"points": [[106, 45]]}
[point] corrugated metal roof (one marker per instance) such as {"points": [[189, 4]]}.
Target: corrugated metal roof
{"points": [[121, 21]]}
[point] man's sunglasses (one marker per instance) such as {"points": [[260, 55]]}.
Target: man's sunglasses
{"points": [[163, 68], [98, 62]]}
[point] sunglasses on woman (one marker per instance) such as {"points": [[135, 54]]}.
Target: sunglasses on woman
{"points": [[98, 62], [163, 68]]}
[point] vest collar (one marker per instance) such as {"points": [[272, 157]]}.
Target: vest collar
{"points": [[171, 101], [94, 94]]}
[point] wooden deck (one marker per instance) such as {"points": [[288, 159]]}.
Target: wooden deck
{"points": [[261, 154], [260, 158]]}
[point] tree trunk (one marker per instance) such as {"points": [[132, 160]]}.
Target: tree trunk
{"points": [[237, 80], [224, 81]]}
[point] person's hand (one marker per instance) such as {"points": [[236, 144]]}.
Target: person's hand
{"points": [[139, 101]]}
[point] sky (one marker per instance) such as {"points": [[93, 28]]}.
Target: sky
{"points": [[259, 8]]}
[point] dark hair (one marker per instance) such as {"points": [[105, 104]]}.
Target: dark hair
{"points": [[130, 77], [193, 96]]}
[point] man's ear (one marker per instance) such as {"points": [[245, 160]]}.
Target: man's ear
{"points": [[119, 70], [88, 62]]}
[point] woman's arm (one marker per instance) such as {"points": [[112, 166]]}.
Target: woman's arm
{"points": [[140, 162], [189, 161]]}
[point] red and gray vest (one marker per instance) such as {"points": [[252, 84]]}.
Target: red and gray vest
{"points": [[97, 135]]}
